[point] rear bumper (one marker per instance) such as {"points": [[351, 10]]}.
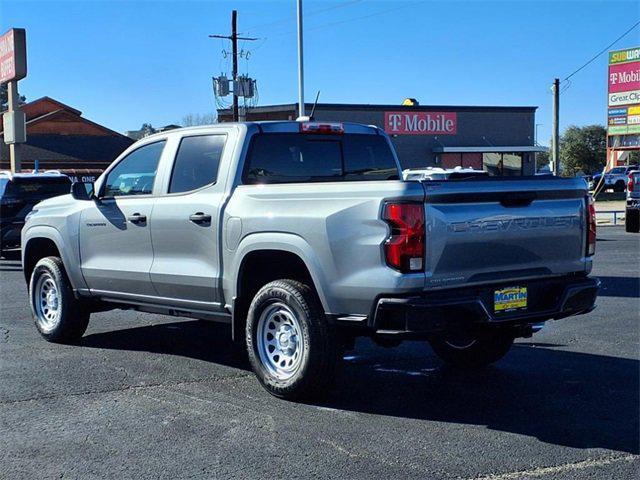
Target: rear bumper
{"points": [[466, 308]]}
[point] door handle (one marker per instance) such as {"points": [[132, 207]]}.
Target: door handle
{"points": [[137, 218], [200, 217]]}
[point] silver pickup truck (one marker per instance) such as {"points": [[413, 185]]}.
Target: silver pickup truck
{"points": [[303, 236]]}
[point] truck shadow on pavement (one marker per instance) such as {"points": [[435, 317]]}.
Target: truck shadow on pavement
{"points": [[619, 287], [557, 396]]}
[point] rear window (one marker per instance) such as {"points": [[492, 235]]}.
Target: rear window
{"points": [[295, 157], [40, 188]]}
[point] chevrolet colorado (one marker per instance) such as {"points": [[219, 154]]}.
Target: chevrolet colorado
{"points": [[303, 236]]}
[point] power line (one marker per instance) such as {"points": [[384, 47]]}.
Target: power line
{"points": [[353, 19], [307, 14], [603, 50]]}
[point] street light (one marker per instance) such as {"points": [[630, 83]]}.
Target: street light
{"points": [[536, 136], [301, 111]]}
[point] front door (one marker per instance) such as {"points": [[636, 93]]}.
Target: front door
{"points": [[115, 238], [185, 225]]}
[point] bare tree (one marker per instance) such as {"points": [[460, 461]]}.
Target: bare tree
{"points": [[193, 119]]}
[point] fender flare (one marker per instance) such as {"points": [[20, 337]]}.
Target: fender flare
{"points": [[286, 242], [68, 258]]}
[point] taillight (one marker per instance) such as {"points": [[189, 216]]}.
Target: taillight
{"points": [[591, 225], [630, 184], [404, 249], [322, 128]]}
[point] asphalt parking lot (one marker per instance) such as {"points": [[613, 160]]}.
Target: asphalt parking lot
{"points": [[145, 396]]}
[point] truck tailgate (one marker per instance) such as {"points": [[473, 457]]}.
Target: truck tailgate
{"points": [[494, 229]]}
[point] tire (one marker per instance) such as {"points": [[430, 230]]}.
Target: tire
{"points": [[619, 186], [472, 352], [291, 347], [58, 315], [632, 221]]}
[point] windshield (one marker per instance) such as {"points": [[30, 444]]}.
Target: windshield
{"points": [[34, 187], [617, 170]]}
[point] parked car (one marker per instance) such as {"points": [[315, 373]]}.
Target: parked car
{"points": [[18, 194], [436, 173], [632, 211], [303, 236], [615, 179]]}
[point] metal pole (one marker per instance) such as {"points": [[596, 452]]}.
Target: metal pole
{"points": [[556, 126], [535, 140], [234, 53], [14, 105], [301, 111]]}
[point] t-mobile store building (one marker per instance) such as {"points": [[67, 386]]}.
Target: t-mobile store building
{"points": [[500, 140]]}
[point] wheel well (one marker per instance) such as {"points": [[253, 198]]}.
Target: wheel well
{"points": [[259, 268], [36, 249]]}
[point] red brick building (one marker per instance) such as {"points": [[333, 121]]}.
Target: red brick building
{"points": [[59, 138]]}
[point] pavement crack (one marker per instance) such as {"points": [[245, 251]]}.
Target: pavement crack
{"points": [[126, 388], [563, 468]]}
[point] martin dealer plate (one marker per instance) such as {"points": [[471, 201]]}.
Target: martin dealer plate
{"points": [[510, 298]]}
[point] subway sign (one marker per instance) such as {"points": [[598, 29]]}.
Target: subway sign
{"points": [[421, 123], [623, 56], [624, 77]]}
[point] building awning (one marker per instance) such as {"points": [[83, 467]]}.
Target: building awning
{"points": [[490, 149]]}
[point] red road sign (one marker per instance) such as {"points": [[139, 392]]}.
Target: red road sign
{"points": [[13, 55]]}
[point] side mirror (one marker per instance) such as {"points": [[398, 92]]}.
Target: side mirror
{"points": [[82, 190]]}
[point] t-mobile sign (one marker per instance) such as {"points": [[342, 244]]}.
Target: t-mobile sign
{"points": [[420, 123]]}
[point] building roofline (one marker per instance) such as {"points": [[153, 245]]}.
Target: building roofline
{"points": [[84, 119], [369, 106], [57, 102]]}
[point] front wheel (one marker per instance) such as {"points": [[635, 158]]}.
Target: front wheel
{"points": [[472, 351], [292, 349], [58, 315]]}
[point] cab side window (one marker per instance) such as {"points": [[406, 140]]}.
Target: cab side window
{"points": [[196, 163], [135, 173]]}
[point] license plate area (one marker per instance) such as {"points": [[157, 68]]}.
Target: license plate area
{"points": [[509, 299]]}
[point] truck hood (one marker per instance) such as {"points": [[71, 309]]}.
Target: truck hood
{"points": [[55, 202]]}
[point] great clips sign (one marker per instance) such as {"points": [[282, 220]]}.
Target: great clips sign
{"points": [[420, 123]]}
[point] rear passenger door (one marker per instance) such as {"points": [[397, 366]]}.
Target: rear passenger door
{"points": [[185, 228]]}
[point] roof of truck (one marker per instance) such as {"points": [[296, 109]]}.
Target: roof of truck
{"points": [[270, 126], [21, 175]]}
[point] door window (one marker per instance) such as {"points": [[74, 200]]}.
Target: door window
{"points": [[196, 163], [135, 174]]}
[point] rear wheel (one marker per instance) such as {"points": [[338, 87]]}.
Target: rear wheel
{"points": [[58, 315], [472, 351], [292, 349], [632, 221]]}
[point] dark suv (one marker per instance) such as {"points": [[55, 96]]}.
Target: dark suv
{"points": [[19, 193]]}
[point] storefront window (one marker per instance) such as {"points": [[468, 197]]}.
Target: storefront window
{"points": [[502, 164], [492, 163], [512, 164]]}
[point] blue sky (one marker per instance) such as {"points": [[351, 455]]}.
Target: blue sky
{"points": [[124, 63]]}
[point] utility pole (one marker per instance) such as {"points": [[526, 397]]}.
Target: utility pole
{"points": [[234, 52], [556, 127], [301, 110]]}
